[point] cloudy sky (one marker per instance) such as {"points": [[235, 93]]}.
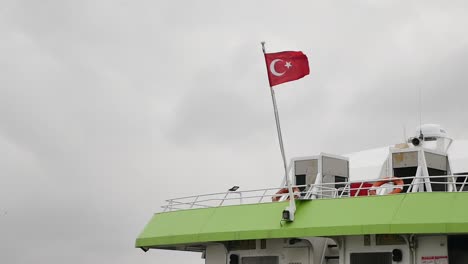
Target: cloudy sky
{"points": [[109, 107]]}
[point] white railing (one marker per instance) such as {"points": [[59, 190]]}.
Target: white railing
{"points": [[444, 183]]}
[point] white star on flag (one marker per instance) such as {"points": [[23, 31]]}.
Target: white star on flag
{"points": [[288, 64]]}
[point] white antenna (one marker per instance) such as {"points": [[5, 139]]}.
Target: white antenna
{"points": [[421, 136], [404, 134]]}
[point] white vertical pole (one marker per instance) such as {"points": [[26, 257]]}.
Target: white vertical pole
{"points": [[425, 172], [292, 204], [415, 184]]}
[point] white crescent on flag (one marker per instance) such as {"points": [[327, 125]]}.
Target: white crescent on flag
{"points": [[272, 68], [286, 66]]}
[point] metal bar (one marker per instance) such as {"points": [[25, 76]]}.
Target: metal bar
{"points": [[359, 189], [425, 172], [180, 203], [194, 201], [280, 136], [261, 198], [325, 246], [167, 206], [327, 190], [463, 185]]}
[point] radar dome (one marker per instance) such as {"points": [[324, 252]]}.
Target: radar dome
{"points": [[432, 131], [432, 136]]}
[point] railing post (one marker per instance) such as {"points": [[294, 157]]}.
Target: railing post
{"points": [[358, 190], [225, 196], [169, 206], [463, 185], [263, 195], [194, 201]]}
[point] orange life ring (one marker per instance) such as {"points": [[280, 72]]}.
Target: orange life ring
{"points": [[278, 194], [397, 182]]}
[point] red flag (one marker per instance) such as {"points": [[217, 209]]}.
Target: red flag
{"points": [[286, 66]]}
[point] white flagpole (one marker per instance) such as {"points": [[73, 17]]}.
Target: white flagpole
{"points": [[292, 204]]}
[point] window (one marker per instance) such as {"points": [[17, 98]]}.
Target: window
{"points": [[438, 184], [371, 258], [339, 180], [457, 246], [301, 180], [388, 239], [260, 260], [462, 179], [263, 243], [241, 245]]}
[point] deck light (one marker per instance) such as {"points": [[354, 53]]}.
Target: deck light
{"points": [[234, 188], [397, 255], [145, 249], [234, 259], [287, 215]]}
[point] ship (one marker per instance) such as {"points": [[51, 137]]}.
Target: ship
{"points": [[406, 203]]}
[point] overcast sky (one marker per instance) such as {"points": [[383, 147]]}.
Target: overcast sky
{"points": [[109, 107]]}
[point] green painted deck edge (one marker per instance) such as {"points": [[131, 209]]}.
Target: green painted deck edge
{"points": [[415, 213]]}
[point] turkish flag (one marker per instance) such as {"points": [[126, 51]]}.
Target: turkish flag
{"points": [[286, 66]]}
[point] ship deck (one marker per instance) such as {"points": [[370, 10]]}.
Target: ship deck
{"points": [[405, 213]]}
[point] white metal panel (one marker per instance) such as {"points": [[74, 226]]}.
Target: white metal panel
{"points": [[334, 166], [405, 159], [298, 255], [302, 167], [458, 154], [367, 165], [436, 161], [431, 246], [307, 167], [215, 254], [299, 252], [328, 179]]}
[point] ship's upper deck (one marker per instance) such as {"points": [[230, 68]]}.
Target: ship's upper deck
{"points": [[411, 213], [403, 189]]}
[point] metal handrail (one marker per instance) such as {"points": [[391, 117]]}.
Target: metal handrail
{"points": [[310, 192]]}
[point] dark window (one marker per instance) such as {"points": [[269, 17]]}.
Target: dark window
{"points": [[388, 239], [462, 179], [339, 183], [263, 244], [457, 246], [438, 184], [234, 259], [371, 258], [405, 172], [366, 240], [241, 245], [301, 180], [260, 260]]}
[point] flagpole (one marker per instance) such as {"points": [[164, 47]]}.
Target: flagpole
{"points": [[292, 204]]}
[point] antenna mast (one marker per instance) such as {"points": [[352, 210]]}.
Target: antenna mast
{"points": [[421, 136]]}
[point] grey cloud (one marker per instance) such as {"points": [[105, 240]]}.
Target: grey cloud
{"points": [[106, 107]]}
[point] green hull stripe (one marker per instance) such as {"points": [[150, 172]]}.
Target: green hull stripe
{"points": [[415, 213]]}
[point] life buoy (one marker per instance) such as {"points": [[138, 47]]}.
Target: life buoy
{"points": [[278, 195], [397, 185]]}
